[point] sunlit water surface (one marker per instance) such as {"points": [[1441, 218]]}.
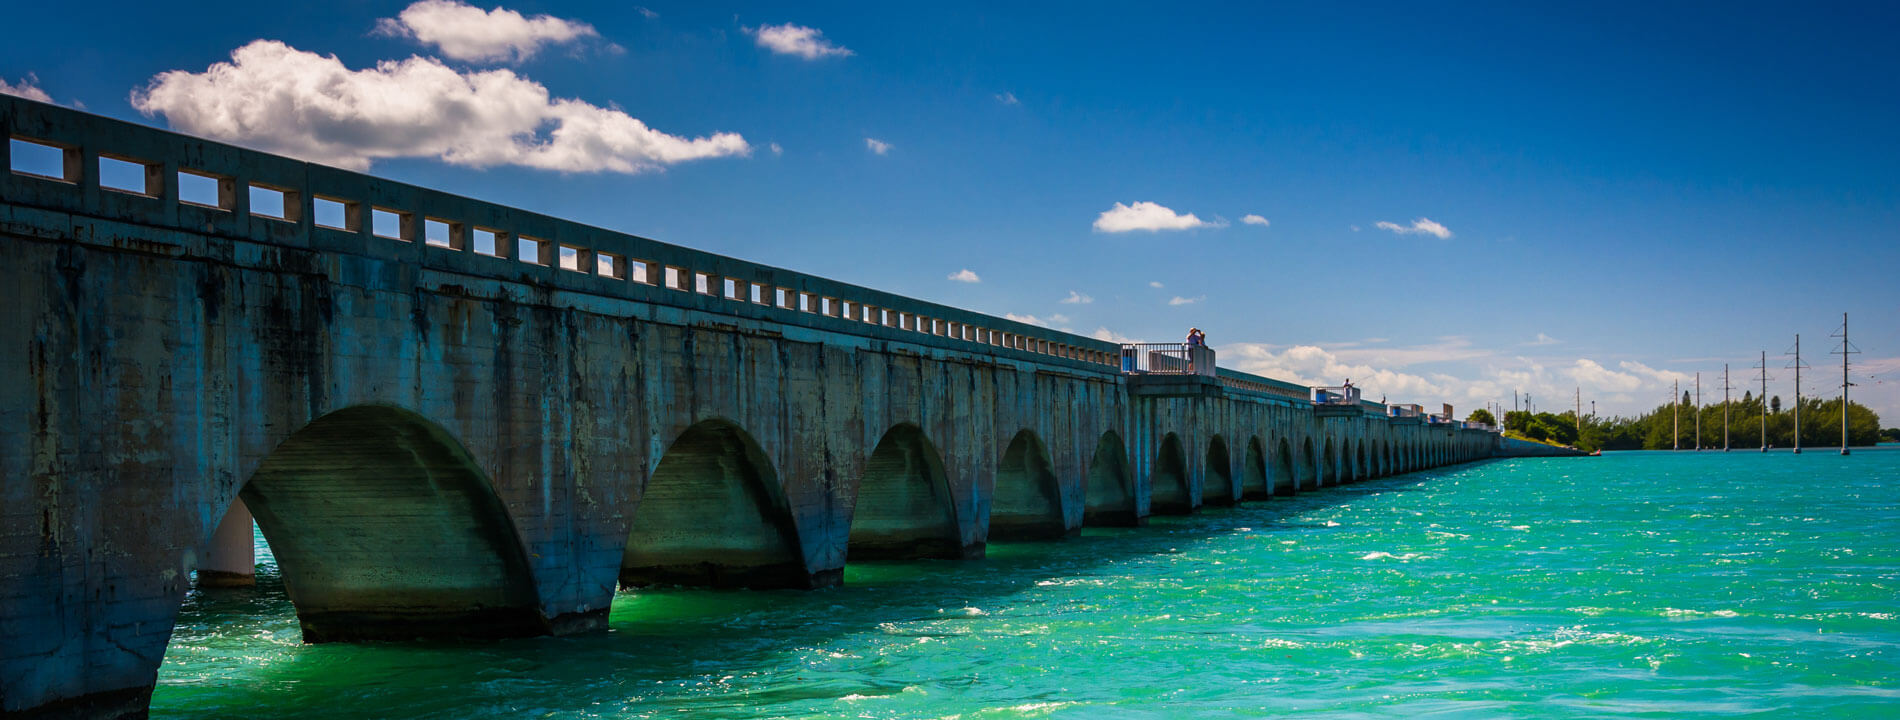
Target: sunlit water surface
{"points": [[1637, 585]]}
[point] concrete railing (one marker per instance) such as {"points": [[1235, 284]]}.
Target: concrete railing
{"points": [[67, 161]]}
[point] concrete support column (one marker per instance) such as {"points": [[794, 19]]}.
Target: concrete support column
{"points": [[231, 560]]}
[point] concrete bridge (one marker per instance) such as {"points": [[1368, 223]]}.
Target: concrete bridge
{"points": [[456, 418]]}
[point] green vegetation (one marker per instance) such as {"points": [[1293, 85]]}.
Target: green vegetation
{"points": [[1820, 426], [1890, 434], [1482, 415]]}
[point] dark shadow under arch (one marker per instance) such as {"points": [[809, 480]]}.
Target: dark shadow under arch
{"points": [[713, 515], [1254, 482], [1025, 500], [1310, 469], [1109, 499], [1329, 473], [384, 528], [903, 508], [1285, 482], [1168, 480], [1364, 469], [1217, 476]]}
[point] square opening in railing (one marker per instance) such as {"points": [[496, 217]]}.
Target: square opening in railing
{"points": [[610, 265], [640, 271], [807, 302], [702, 283], [571, 258], [675, 278], [530, 250], [731, 289], [488, 242], [273, 203], [203, 190], [42, 160], [127, 176], [438, 233], [388, 224], [758, 294], [333, 214], [782, 298]]}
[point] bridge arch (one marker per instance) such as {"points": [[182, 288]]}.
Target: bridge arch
{"points": [[1254, 482], [1285, 482], [1217, 480], [384, 527], [1310, 467], [1109, 498], [1330, 458], [714, 514], [1026, 500], [904, 508], [1168, 492], [1365, 466]]}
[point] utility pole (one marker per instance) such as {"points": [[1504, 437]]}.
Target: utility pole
{"points": [[1764, 401], [1579, 413], [1675, 416], [1725, 388], [1846, 350], [1797, 393], [1698, 411]]}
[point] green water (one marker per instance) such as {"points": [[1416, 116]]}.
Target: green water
{"points": [[1631, 585]]}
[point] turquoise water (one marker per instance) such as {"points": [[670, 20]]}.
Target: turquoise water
{"points": [[1631, 585]]}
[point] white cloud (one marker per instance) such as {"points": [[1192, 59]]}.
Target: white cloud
{"points": [[28, 88], [1155, 284], [1312, 365], [1178, 300], [1008, 98], [1106, 335], [1543, 339], [1252, 219], [877, 146], [1421, 226], [468, 33], [1026, 319], [1147, 216], [647, 13], [1076, 298], [277, 98], [789, 39], [776, 150], [1591, 375], [965, 276]]}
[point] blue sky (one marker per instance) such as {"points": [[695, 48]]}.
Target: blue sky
{"points": [[1608, 197]]}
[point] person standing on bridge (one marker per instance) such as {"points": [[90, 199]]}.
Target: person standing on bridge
{"points": [[1196, 338]]}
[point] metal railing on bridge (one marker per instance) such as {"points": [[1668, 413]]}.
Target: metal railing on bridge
{"points": [[1336, 395], [1168, 359]]}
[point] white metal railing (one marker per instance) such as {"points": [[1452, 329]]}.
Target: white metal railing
{"points": [[1168, 359], [1336, 395]]}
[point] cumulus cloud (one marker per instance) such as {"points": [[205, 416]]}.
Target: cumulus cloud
{"points": [[464, 32], [1053, 321], [1106, 335], [796, 40], [1543, 339], [1313, 365], [1252, 219], [1421, 226], [776, 150], [1148, 216], [277, 98], [1008, 98], [965, 276], [647, 13], [1591, 374], [1155, 284], [877, 146], [1076, 298], [1178, 300], [28, 88]]}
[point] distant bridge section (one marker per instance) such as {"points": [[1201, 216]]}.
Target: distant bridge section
{"points": [[454, 418]]}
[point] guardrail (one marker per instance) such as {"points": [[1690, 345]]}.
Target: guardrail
{"points": [[1168, 359], [67, 161]]}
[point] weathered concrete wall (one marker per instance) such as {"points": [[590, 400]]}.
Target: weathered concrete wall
{"points": [[439, 442]]}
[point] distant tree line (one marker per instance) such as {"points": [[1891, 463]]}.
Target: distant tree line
{"points": [[1669, 426]]}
